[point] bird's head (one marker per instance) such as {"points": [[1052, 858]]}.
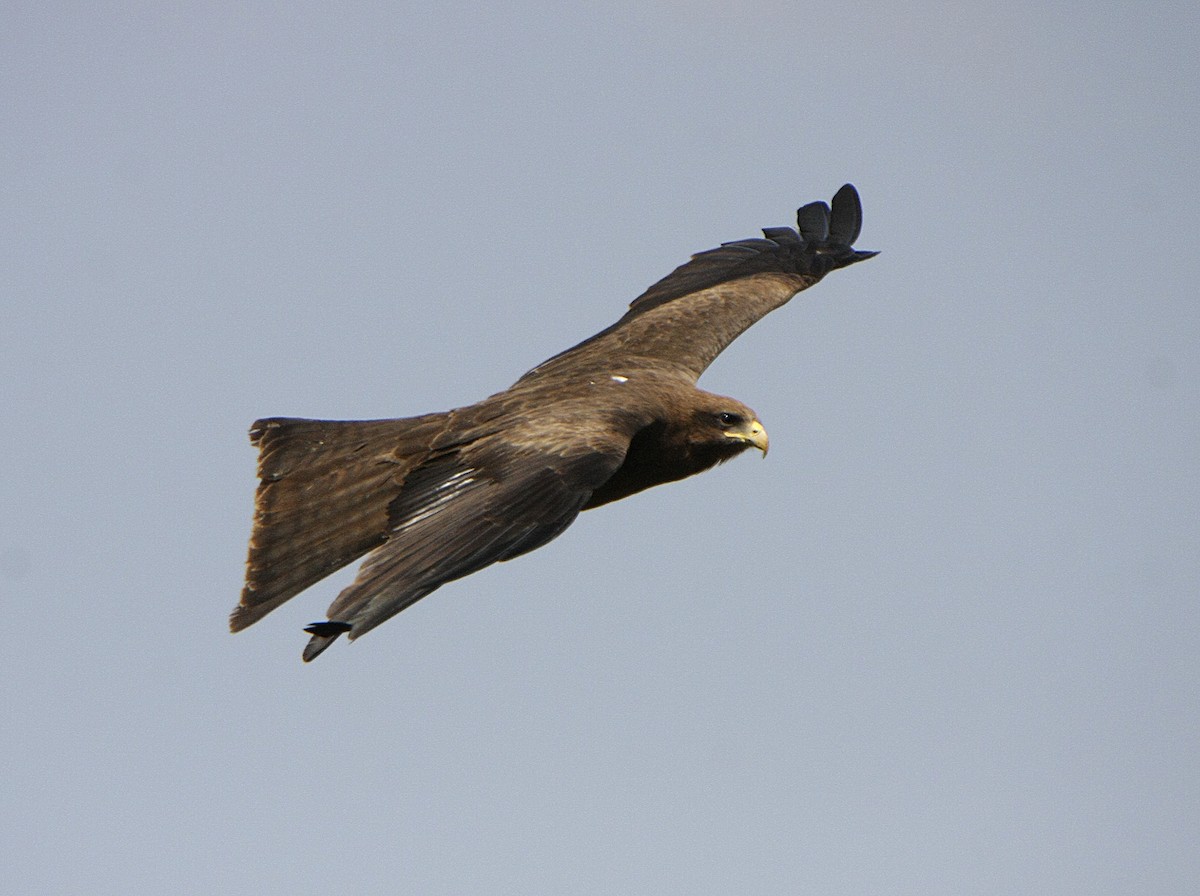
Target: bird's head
{"points": [[724, 427]]}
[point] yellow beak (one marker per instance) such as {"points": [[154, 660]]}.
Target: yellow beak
{"points": [[756, 435]]}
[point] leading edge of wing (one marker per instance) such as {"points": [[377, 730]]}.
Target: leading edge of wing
{"points": [[822, 243]]}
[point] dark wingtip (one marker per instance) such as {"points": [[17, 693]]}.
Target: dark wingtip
{"points": [[863, 255], [833, 228], [823, 244], [845, 219], [327, 627], [813, 220], [845, 224], [323, 634]]}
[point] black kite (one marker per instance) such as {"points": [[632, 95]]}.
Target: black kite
{"points": [[434, 498]]}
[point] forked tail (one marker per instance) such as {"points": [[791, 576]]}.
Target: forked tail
{"points": [[322, 499]]}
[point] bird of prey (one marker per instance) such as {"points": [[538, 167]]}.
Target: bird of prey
{"points": [[433, 498]]}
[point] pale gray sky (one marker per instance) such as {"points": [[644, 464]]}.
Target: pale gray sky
{"points": [[943, 640]]}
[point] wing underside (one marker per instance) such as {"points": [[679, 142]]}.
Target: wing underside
{"points": [[457, 515]]}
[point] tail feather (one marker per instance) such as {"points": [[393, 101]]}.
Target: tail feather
{"points": [[322, 501]]}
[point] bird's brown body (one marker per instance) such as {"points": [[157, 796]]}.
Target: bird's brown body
{"points": [[437, 497]]}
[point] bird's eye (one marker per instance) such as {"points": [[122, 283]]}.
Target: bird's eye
{"points": [[729, 418]]}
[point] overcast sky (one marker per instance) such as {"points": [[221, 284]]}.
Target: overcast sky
{"points": [[944, 640]]}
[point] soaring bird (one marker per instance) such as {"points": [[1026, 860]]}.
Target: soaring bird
{"points": [[433, 498]]}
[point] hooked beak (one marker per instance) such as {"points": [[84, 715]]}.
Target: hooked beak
{"points": [[756, 435]]}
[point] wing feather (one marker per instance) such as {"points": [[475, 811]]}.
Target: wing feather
{"points": [[845, 220], [690, 316], [813, 221], [462, 512]]}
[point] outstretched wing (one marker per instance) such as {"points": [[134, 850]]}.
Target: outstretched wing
{"points": [[461, 512], [689, 317]]}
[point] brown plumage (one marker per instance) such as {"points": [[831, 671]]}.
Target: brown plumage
{"points": [[434, 498]]}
